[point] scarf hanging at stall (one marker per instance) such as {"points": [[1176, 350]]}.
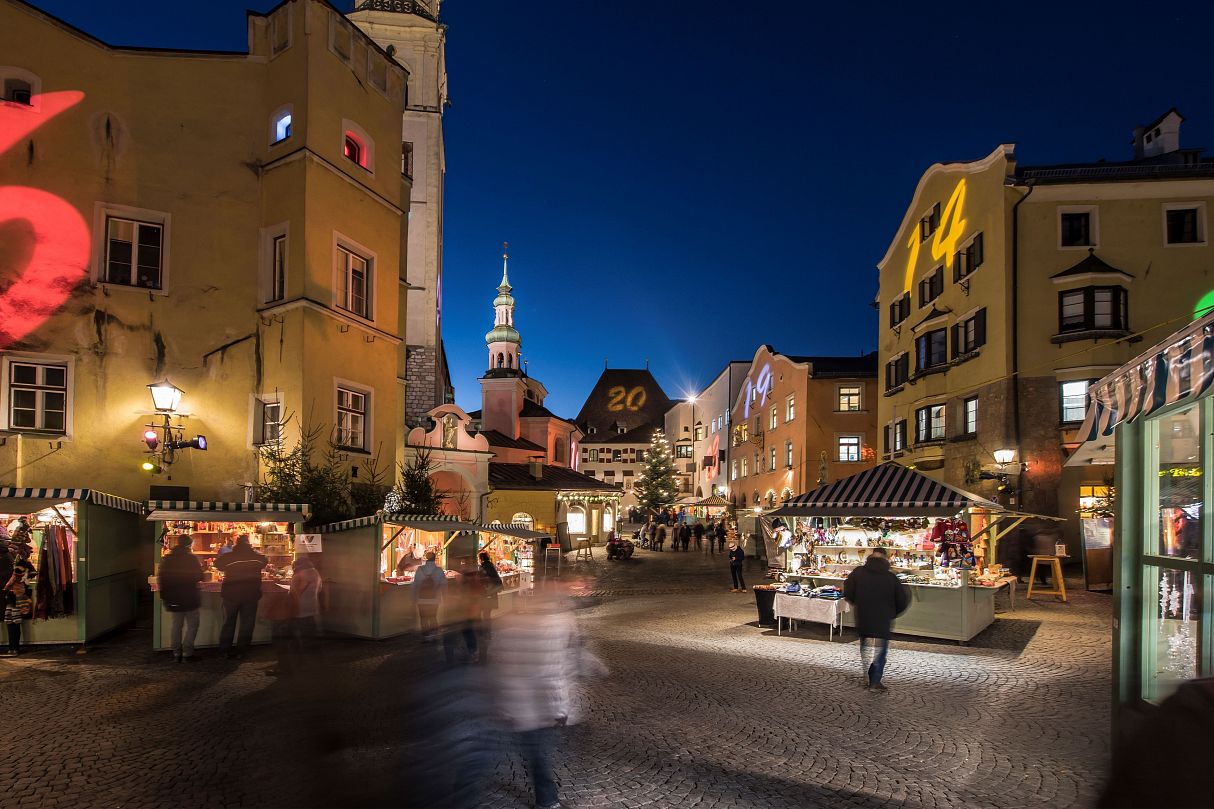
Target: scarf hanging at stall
{"points": [[53, 596]]}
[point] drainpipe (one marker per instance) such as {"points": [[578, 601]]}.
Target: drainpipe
{"points": [[1016, 431]]}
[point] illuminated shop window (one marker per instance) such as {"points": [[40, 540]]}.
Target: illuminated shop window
{"points": [[576, 520]]}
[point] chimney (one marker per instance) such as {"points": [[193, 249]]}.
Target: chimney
{"points": [[536, 466]]}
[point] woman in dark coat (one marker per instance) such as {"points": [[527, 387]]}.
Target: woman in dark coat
{"points": [[877, 596]]}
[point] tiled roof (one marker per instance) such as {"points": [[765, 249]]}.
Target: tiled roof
{"points": [[638, 435], [554, 478], [864, 365], [500, 439], [1182, 163], [612, 401], [1091, 264]]}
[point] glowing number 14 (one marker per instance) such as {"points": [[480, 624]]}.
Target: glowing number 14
{"points": [[944, 243]]}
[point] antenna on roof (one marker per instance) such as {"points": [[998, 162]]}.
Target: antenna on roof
{"points": [[605, 366], [647, 363]]}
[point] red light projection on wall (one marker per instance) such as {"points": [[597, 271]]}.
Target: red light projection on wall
{"points": [[45, 238]]}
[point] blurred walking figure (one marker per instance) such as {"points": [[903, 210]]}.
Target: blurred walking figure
{"points": [[305, 592], [429, 589], [661, 537], [493, 586], [461, 614], [180, 573], [537, 656], [699, 535], [685, 536], [240, 592], [737, 557], [721, 532], [878, 598]]}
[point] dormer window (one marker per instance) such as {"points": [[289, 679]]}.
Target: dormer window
{"points": [[18, 91]]}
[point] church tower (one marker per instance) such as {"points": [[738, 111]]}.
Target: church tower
{"points": [[409, 30], [503, 340]]}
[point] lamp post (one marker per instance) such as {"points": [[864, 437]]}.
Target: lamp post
{"points": [[162, 438]]}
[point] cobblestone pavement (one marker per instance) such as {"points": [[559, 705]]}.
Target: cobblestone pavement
{"points": [[702, 708]]}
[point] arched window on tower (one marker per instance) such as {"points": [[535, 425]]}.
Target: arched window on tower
{"points": [[501, 360]]}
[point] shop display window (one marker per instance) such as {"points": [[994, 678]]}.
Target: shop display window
{"points": [[1179, 483], [1171, 637], [403, 551], [211, 539]]}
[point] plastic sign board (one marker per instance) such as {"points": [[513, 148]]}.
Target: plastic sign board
{"points": [[307, 543]]}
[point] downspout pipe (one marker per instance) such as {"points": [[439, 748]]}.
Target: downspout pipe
{"points": [[1016, 428]]}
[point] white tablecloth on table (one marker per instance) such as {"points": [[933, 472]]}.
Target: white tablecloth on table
{"points": [[800, 608]]}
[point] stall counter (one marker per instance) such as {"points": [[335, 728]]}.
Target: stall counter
{"points": [[210, 615]]}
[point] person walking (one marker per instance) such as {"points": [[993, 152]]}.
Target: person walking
{"points": [[180, 574], [721, 533], [429, 589], [878, 598], [711, 531], [698, 532], [737, 557], [493, 586], [305, 592], [685, 536], [661, 538], [240, 593]]}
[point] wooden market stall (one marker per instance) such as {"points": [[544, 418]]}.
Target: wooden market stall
{"points": [[214, 527], [85, 547], [917, 520], [369, 565]]}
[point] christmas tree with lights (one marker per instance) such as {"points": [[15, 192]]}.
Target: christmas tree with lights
{"points": [[656, 485]]}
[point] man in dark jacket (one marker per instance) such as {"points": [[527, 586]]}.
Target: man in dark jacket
{"points": [[737, 557], [180, 573], [878, 598], [721, 532], [699, 535], [241, 591]]}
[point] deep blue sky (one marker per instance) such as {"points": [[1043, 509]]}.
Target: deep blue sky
{"points": [[682, 181]]}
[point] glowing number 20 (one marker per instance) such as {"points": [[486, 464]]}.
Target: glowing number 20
{"points": [[619, 398]]}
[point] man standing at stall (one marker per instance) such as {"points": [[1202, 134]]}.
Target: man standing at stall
{"points": [[180, 573], [429, 588], [241, 592], [878, 598]]}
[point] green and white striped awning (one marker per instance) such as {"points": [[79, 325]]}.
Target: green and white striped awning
{"points": [[252, 512], [27, 501], [515, 530], [436, 523]]}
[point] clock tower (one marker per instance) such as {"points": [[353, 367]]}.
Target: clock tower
{"points": [[410, 32]]}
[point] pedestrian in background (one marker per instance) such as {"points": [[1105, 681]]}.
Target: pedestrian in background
{"points": [[178, 580], [878, 598], [711, 531], [661, 537], [429, 589], [698, 532], [685, 536], [240, 593], [18, 601], [721, 535], [492, 586], [737, 557], [305, 593]]}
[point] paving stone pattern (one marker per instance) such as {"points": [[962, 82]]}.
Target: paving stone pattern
{"points": [[702, 708]]}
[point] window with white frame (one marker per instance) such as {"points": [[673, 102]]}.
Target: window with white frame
{"points": [[929, 424], [576, 519], [37, 396], [274, 264], [969, 424], [790, 408], [788, 454], [351, 418], [134, 252], [733, 471], [743, 467], [773, 459], [849, 398], [594, 456], [268, 420], [1184, 223], [1077, 227], [849, 448], [354, 282], [775, 417], [1074, 401]]}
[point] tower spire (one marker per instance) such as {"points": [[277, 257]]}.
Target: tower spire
{"points": [[505, 285]]}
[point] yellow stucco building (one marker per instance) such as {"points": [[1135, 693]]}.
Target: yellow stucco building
{"points": [[233, 222], [1008, 288]]}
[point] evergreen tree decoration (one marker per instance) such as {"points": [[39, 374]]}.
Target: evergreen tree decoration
{"points": [[656, 485], [415, 492]]}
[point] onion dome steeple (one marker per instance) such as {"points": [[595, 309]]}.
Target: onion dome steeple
{"points": [[503, 339]]}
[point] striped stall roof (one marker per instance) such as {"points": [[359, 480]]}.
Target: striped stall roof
{"points": [[436, 522], [1180, 367], [889, 489], [60, 495], [513, 529], [199, 505]]}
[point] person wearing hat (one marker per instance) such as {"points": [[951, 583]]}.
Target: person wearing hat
{"points": [[180, 573], [241, 592], [18, 595]]}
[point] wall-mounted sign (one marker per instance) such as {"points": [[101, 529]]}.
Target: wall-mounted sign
{"points": [[308, 543]]}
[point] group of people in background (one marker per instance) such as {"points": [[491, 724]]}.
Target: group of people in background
{"points": [[682, 534]]}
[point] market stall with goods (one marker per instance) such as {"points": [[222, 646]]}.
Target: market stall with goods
{"points": [[939, 539], [214, 529], [77, 553], [370, 563]]}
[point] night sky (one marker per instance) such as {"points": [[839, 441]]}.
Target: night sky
{"points": [[681, 181]]}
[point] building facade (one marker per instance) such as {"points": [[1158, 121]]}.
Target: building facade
{"points": [[1008, 289], [625, 408], [410, 31], [245, 245], [799, 422], [698, 429]]}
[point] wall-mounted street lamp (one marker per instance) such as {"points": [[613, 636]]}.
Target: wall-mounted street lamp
{"points": [[164, 438], [1003, 457]]}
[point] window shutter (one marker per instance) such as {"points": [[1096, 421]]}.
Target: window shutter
{"points": [[956, 340], [259, 422], [976, 250], [957, 266], [980, 328]]}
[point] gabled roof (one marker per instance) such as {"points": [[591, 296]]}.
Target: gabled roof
{"points": [[1091, 264], [863, 365], [500, 439], [932, 315], [615, 400], [553, 478]]}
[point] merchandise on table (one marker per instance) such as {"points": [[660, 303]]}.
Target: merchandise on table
{"points": [[209, 540]]}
